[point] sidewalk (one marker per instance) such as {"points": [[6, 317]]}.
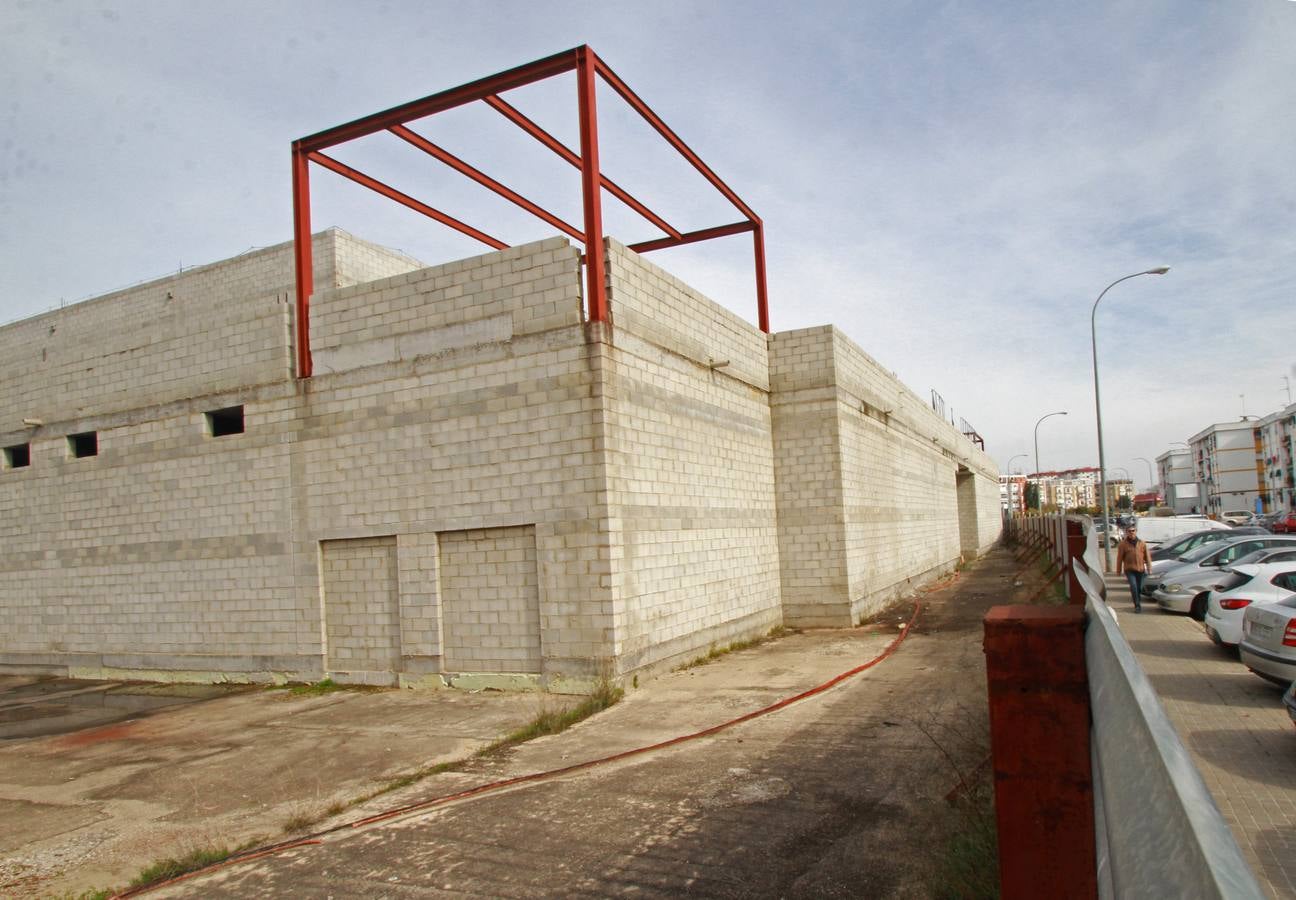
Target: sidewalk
{"points": [[1233, 724]]}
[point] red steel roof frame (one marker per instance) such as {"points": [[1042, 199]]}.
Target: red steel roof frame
{"points": [[587, 65]]}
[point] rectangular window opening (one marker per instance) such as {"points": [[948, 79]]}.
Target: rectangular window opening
{"points": [[18, 456], [85, 444], [221, 422]]}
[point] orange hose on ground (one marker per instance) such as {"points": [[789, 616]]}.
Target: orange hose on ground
{"points": [[536, 776]]}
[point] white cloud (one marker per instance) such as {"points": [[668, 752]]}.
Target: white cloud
{"points": [[949, 183]]}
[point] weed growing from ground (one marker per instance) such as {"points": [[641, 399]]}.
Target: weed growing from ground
{"points": [[715, 652], [965, 859], [173, 867], [327, 686]]}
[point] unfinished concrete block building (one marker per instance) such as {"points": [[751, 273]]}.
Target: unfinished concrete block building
{"points": [[521, 470], [476, 485]]}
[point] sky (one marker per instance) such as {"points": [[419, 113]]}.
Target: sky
{"points": [[952, 184]]}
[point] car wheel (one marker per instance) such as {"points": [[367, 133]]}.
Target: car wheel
{"points": [[1198, 608]]}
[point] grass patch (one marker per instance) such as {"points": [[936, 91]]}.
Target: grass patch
{"points": [[173, 867], [967, 859], [546, 722], [556, 721], [327, 686], [714, 652]]}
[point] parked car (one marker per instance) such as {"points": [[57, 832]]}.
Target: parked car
{"points": [[1242, 585], [1160, 567], [1289, 701], [1156, 530], [1194, 539], [1236, 516], [1285, 524], [1268, 645], [1266, 520], [1184, 589]]}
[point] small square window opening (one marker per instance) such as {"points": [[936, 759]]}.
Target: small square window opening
{"points": [[221, 422], [18, 456], [85, 444]]}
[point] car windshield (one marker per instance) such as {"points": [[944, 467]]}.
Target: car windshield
{"points": [[1232, 553], [1271, 556], [1199, 553], [1253, 557]]}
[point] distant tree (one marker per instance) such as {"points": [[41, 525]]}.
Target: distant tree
{"points": [[1032, 496], [1124, 502]]}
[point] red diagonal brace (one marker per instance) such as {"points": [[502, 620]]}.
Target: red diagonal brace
{"points": [[405, 199], [557, 146], [483, 179]]}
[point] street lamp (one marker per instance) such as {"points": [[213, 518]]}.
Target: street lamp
{"points": [[1102, 459], [1152, 483], [1039, 501]]}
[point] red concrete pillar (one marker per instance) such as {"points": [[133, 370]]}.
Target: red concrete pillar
{"points": [[1075, 544], [1039, 736]]}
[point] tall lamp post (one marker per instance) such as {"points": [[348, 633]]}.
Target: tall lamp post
{"points": [[1039, 501], [1010, 462], [1102, 458], [1152, 483]]}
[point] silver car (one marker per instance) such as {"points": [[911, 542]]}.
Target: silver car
{"points": [[1162, 566], [1184, 589], [1268, 645]]}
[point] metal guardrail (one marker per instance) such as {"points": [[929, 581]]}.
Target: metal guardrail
{"points": [[1159, 832]]}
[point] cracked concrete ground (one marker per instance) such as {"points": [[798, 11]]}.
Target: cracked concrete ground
{"points": [[841, 794]]}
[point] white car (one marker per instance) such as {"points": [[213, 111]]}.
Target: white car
{"points": [[1241, 586], [1184, 589], [1268, 645]]}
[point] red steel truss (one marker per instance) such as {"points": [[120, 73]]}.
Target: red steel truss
{"points": [[587, 66]]}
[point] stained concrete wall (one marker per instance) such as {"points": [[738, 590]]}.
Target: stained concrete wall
{"points": [[868, 482], [545, 498]]}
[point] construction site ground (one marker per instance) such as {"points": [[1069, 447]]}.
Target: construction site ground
{"points": [[844, 793]]}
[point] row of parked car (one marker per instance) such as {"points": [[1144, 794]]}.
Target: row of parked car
{"points": [[1241, 583]]}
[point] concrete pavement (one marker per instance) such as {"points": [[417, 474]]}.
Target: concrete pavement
{"points": [[1235, 727], [842, 794]]}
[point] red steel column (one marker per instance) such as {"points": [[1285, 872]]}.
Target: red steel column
{"points": [[1039, 735], [762, 302], [596, 283], [302, 258], [1075, 542]]}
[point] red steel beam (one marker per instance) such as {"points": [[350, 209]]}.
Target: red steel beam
{"points": [[671, 137], [404, 199], [302, 258], [591, 195], [693, 237], [482, 178], [439, 102], [519, 119]]}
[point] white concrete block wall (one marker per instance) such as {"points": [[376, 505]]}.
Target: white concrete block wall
{"points": [[808, 466], [689, 470], [669, 503], [901, 503], [490, 600], [867, 494], [169, 549], [358, 584]]}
